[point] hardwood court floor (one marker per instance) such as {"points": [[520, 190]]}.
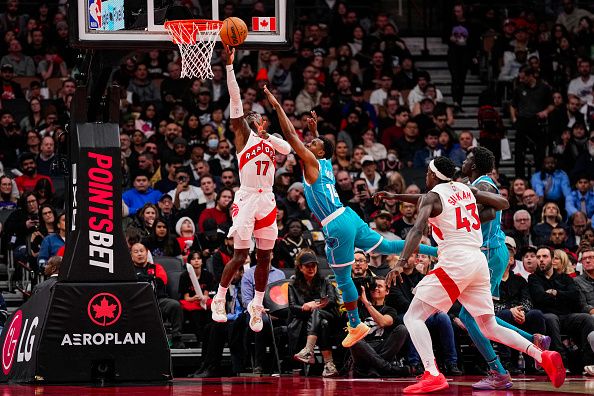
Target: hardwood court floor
{"points": [[298, 386]]}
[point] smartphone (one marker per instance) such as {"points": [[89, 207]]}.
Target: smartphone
{"points": [[361, 188]]}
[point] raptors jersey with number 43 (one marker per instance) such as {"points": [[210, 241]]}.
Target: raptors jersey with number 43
{"points": [[458, 225], [256, 163]]}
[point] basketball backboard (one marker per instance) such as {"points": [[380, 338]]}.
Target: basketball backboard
{"points": [[139, 23]]}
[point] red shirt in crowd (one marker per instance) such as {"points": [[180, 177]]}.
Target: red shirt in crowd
{"points": [[26, 183]]}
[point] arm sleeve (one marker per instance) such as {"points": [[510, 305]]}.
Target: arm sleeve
{"points": [[235, 107], [279, 145], [428, 250]]}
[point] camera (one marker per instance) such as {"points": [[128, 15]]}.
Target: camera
{"points": [[361, 187], [368, 282]]}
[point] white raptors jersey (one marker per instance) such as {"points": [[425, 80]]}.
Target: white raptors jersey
{"points": [[458, 225], [256, 163]]}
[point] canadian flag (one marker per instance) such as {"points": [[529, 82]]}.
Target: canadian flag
{"points": [[263, 24]]}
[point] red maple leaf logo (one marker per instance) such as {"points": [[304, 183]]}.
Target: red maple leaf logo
{"points": [[264, 22], [104, 310]]}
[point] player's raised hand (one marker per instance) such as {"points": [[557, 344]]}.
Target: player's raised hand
{"points": [[394, 277], [271, 98], [230, 54], [312, 122], [378, 197], [262, 125]]}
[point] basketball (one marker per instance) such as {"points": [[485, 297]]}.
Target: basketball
{"points": [[234, 31]]}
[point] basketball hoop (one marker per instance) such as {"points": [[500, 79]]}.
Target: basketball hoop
{"points": [[196, 39]]}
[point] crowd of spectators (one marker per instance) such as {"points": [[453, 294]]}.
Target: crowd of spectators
{"points": [[388, 121]]}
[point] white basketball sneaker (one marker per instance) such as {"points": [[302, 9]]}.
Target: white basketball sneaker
{"points": [[255, 312], [218, 310]]}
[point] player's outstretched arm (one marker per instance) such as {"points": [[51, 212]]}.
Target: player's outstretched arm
{"points": [[239, 124], [277, 143], [486, 213], [495, 201], [311, 163], [428, 207], [409, 198]]}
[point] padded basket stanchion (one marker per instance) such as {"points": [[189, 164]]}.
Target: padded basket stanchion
{"points": [[196, 39]]}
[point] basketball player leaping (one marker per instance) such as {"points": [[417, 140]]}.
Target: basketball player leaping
{"points": [[343, 228], [461, 274], [254, 207]]}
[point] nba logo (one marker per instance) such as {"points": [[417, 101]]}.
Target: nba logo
{"points": [[95, 14]]}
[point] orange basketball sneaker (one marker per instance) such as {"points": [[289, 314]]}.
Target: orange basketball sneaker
{"points": [[428, 383], [355, 334]]}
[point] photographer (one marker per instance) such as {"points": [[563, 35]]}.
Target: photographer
{"points": [[184, 194], [361, 267], [374, 356], [313, 310], [400, 297]]}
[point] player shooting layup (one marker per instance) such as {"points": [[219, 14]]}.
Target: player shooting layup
{"points": [[461, 274], [254, 207], [343, 228]]}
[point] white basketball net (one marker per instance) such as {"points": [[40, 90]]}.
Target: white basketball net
{"points": [[196, 40]]}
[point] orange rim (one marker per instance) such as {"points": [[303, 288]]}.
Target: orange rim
{"points": [[186, 24]]}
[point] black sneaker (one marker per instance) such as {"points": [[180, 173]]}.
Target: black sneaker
{"points": [[452, 369], [398, 370]]}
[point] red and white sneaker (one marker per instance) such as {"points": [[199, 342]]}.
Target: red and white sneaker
{"points": [[553, 365], [428, 383]]}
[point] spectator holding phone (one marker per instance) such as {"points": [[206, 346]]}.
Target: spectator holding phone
{"points": [[184, 193], [313, 312]]}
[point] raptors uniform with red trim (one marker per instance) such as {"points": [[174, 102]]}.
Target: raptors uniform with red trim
{"points": [[254, 206], [462, 272]]}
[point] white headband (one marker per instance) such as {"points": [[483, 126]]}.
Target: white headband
{"points": [[439, 175]]}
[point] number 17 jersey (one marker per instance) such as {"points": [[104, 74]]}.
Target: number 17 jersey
{"points": [[256, 163], [321, 196]]}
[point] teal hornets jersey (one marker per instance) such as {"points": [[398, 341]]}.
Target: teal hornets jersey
{"points": [[321, 196], [493, 236]]}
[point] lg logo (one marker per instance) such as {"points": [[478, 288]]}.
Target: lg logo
{"points": [[18, 335]]}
